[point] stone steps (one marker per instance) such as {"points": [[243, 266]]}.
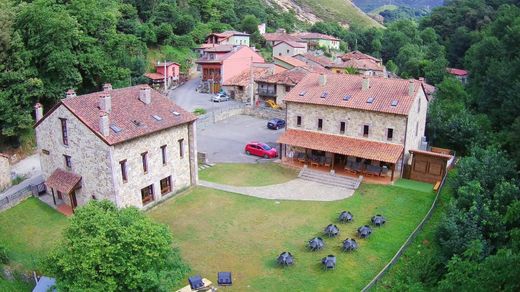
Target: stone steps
{"points": [[330, 179], [205, 166]]}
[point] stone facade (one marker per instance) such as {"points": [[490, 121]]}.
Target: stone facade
{"points": [[90, 156], [284, 49], [99, 164], [404, 127], [5, 172]]}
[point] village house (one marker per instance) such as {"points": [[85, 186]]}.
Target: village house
{"points": [[132, 146], [460, 74], [5, 172], [316, 40], [357, 55], [312, 60], [229, 37], [169, 71], [354, 124], [289, 48], [280, 35], [275, 87], [242, 87], [218, 65]]}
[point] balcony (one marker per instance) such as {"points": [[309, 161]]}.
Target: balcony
{"points": [[267, 92]]}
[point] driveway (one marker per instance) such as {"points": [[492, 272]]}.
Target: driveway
{"points": [[224, 141], [188, 98]]}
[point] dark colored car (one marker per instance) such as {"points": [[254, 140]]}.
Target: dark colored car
{"points": [[276, 124], [261, 149]]}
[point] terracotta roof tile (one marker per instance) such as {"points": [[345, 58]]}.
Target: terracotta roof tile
{"points": [[219, 49], [291, 61], [277, 36], [292, 44], [243, 78], [362, 64], [457, 72], [357, 55], [322, 60], [63, 181], [127, 108], [289, 77], [154, 76], [339, 86], [344, 145]]}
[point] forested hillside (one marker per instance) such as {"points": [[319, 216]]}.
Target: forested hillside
{"points": [[47, 47], [369, 5]]}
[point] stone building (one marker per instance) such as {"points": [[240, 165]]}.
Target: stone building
{"points": [[5, 172], [132, 146], [353, 123], [289, 48]]}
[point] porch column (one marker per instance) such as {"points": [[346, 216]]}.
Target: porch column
{"points": [[393, 169], [333, 158], [53, 198]]}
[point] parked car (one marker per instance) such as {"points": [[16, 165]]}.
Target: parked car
{"points": [[275, 124], [261, 149], [221, 96]]}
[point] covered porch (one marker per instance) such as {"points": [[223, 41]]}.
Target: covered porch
{"points": [[63, 185], [375, 161]]}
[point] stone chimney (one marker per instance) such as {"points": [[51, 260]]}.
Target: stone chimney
{"points": [[107, 87], [70, 93], [104, 126], [323, 79], [38, 110], [411, 87], [105, 102], [366, 83], [145, 95]]}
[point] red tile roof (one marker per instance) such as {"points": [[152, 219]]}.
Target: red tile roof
{"points": [[314, 35], [357, 55], [344, 145], [322, 60], [292, 44], [243, 78], [429, 153], [457, 72], [161, 64], [154, 76], [280, 36], [361, 64], [219, 49], [126, 108], [63, 181], [289, 77], [291, 61], [339, 86]]}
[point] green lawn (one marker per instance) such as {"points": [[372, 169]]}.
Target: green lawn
{"points": [[219, 231], [15, 286], [247, 174], [414, 185], [29, 231]]}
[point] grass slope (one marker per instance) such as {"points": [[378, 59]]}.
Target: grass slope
{"points": [[14, 286], [29, 231], [338, 11], [219, 231], [383, 8], [242, 174]]}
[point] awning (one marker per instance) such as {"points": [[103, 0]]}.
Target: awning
{"points": [[379, 151], [63, 181]]}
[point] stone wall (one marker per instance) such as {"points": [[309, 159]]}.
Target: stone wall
{"points": [[90, 156], [5, 172], [354, 120], [129, 193]]}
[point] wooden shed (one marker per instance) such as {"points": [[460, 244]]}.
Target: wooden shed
{"points": [[428, 166]]}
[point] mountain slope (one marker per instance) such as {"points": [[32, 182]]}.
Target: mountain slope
{"points": [[369, 5], [342, 11]]}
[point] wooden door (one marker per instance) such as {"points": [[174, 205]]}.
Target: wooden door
{"points": [[73, 201]]}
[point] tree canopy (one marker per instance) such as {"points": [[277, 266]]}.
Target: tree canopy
{"points": [[107, 249]]}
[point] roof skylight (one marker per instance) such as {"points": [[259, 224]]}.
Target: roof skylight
{"points": [[303, 93], [347, 97], [395, 102], [157, 118], [115, 128], [324, 94], [176, 113], [370, 100]]}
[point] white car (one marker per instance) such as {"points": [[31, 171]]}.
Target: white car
{"points": [[220, 97]]}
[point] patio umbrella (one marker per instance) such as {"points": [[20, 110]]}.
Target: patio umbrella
{"points": [[285, 259], [345, 217], [329, 262], [316, 244], [364, 231], [331, 230], [349, 244], [378, 220]]}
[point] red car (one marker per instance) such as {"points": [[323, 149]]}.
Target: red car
{"points": [[261, 149]]}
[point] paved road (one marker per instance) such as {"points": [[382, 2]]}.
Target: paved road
{"points": [[189, 99], [297, 189], [225, 140]]}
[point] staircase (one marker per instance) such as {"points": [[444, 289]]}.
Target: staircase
{"points": [[205, 165], [330, 179]]}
